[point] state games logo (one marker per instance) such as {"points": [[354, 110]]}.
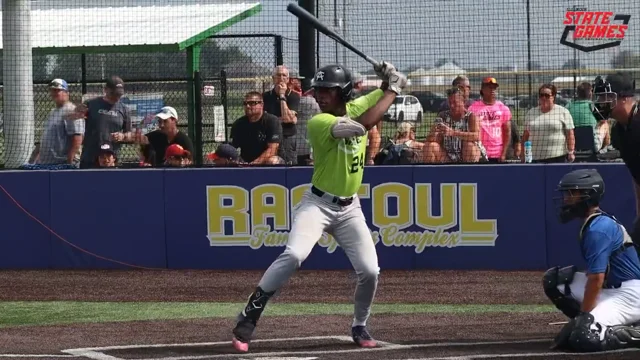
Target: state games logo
{"points": [[604, 27]]}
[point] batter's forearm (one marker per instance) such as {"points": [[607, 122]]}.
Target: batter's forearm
{"points": [[374, 115]]}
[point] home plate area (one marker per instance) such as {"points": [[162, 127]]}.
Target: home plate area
{"points": [[341, 348]]}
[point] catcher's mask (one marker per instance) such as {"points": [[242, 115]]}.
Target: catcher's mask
{"points": [[604, 99], [581, 190]]}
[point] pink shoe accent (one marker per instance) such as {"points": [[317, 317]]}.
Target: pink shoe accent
{"points": [[367, 343], [239, 345]]}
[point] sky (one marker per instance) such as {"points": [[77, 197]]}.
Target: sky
{"points": [[416, 33]]}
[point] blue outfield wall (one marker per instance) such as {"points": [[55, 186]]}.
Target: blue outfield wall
{"points": [[421, 217]]}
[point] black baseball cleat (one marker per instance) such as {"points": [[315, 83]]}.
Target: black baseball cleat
{"points": [[362, 338], [242, 334]]}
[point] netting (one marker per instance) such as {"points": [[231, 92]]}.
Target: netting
{"points": [[517, 43]]}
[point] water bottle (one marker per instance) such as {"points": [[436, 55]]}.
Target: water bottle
{"points": [[528, 155]]}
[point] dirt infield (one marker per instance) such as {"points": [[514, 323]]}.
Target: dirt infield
{"points": [[416, 336]]}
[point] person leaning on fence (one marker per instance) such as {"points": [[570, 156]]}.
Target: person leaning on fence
{"points": [[308, 108], [284, 104], [495, 121], [581, 111], [549, 127], [455, 136], [167, 134], [403, 149], [463, 83], [257, 134], [108, 120], [61, 139]]}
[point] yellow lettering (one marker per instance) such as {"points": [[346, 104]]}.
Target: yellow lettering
{"points": [[474, 230], [403, 195], [425, 217], [270, 201], [235, 210], [364, 192], [392, 236]]}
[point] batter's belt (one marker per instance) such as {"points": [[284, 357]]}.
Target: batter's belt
{"points": [[334, 199]]}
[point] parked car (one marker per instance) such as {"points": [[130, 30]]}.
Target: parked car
{"points": [[430, 101], [405, 108]]}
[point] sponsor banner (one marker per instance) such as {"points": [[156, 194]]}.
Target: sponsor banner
{"points": [[423, 217]]}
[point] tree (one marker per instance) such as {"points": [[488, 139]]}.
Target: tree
{"points": [[625, 59]]}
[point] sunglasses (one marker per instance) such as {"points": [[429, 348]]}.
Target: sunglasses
{"points": [[545, 95], [453, 91], [252, 103]]}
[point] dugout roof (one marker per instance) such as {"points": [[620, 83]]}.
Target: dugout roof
{"points": [[141, 28]]}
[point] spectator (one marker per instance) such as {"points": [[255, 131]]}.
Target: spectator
{"points": [[581, 111], [463, 83], [177, 156], [106, 156], [167, 134], [549, 127], [455, 137], [308, 108], [358, 85], [495, 121], [284, 104], [61, 138], [257, 134], [403, 149], [295, 83], [515, 146], [107, 120], [225, 155]]}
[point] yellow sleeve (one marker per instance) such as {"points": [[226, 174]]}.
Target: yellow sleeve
{"points": [[357, 107]]}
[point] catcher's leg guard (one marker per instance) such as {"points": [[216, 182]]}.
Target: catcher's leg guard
{"points": [[563, 301], [621, 337], [585, 336]]}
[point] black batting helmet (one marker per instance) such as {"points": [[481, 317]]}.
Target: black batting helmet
{"points": [[334, 76], [581, 190]]}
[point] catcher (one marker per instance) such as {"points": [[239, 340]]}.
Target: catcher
{"points": [[602, 303]]}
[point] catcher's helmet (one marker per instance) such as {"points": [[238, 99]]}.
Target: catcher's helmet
{"points": [[334, 76], [584, 189], [604, 99]]}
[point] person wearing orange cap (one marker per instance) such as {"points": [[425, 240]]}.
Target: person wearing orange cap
{"points": [[177, 156]]}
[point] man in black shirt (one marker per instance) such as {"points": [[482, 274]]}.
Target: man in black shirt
{"points": [[614, 98], [284, 103], [257, 133], [167, 134]]}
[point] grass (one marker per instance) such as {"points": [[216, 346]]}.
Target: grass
{"points": [[25, 313]]}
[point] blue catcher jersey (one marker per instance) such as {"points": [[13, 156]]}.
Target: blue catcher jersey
{"points": [[607, 248]]}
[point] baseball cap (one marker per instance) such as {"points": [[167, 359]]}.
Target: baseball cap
{"points": [[107, 148], [116, 84], [167, 112], [59, 84], [622, 84], [175, 150], [490, 80], [295, 75], [224, 151]]}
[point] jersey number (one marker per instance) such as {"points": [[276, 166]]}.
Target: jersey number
{"points": [[357, 164]]}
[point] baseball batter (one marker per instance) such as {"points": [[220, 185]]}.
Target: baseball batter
{"points": [[603, 303], [338, 137]]}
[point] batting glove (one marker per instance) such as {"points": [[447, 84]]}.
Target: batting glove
{"points": [[397, 82], [384, 70]]}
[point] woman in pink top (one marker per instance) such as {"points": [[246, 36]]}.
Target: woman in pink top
{"points": [[495, 121]]}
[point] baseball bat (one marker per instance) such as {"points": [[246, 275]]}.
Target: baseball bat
{"points": [[306, 16]]}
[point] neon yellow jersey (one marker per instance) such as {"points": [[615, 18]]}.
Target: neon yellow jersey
{"points": [[338, 164]]}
